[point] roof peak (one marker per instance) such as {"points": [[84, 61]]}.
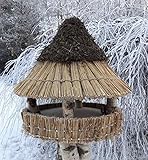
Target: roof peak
{"points": [[72, 43]]}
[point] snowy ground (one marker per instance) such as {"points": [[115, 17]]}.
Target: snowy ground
{"points": [[22, 148]]}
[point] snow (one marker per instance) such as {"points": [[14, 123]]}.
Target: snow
{"points": [[22, 147], [14, 144]]}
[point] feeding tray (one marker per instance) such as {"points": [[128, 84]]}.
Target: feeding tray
{"points": [[88, 125]]}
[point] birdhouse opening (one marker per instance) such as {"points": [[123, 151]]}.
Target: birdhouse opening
{"points": [[80, 109]]}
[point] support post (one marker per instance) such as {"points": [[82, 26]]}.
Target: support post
{"points": [[111, 104], [32, 105], [84, 151], [68, 151], [78, 104], [72, 151]]}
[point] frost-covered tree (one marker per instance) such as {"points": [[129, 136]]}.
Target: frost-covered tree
{"points": [[17, 19], [120, 28]]}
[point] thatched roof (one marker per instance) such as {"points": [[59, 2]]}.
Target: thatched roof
{"points": [[72, 66], [76, 80], [72, 43]]}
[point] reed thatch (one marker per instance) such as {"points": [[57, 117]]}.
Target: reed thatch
{"points": [[72, 43], [76, 80], [72, 66], [73, 130]]}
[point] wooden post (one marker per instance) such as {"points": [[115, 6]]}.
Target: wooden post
{"points": [[111, 103], [72, 151], [84, 151], [68, 151], [32, 105], [78, 104], [68, 109]]}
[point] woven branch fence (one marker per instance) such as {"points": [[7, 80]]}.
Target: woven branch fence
{"points": [[77, 81], [73, 130]]}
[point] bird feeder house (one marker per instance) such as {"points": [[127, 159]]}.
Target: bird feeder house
{"points": [[72, 68]]}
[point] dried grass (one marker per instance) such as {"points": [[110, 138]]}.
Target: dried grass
{"points": [[76, 80]]}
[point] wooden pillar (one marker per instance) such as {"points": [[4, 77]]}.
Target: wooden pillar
{"points": [[32, 105], [84, 151], [68, 151], [78, 104], [68, 109], [111, 104], [72, 151]]}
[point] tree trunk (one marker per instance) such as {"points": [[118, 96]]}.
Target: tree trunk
{"points": [[68, 109], [32, 105], [68, 151], [72, 151], [84, 151]]}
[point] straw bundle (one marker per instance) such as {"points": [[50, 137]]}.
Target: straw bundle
{"points": [[73, 130], [76, 80]]}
